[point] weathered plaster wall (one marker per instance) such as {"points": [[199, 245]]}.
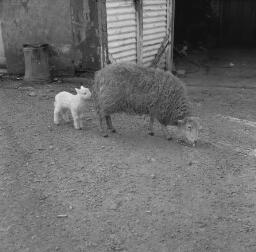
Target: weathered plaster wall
{"points": [[84, 16], [69, 25], [47, 21]]}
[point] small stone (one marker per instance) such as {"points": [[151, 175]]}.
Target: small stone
{"points": [[43, 197], [112, 205], [62, 216], [153, 176], [252, 153], [32, 93], [181, 72]]}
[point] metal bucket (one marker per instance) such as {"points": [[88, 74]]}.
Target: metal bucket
{"points": [[36, 62]]}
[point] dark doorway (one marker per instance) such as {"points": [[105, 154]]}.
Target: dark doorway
{"points": [[195, 22], [238, 23]]}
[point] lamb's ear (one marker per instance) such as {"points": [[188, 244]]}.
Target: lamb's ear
{"points": [[77, 90], [181, 122]]}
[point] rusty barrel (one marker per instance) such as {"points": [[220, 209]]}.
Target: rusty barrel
{"points": [[36, 62]]}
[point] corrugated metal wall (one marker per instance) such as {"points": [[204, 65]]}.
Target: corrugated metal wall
{"points": [[122, 30], [154, 29], [121, 23]]}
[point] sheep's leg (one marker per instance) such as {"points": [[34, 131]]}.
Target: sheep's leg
{"points": [[166, 133], [109, 124], [150, 127], [103, 129]]}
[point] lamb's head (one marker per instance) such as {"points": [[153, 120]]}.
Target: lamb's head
{"points": [[85, 93], [190, 127]]}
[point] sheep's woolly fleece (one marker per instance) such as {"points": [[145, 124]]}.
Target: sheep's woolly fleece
{"points": [[135, 89]]}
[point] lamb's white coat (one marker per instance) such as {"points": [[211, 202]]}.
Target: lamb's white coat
{"points": [[65, 102]]}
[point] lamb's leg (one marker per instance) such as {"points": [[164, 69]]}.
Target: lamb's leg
{"points": [[109, 124], [150, 127], [66, 116], [76, 119], [166, 133], [81, 123], [56, 116]]}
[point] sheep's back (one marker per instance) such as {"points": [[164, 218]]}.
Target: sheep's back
{"points": [[135, 89]]}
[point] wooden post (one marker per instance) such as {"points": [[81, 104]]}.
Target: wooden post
{"points": [[139, 22], [103, 34], [170, 20]]}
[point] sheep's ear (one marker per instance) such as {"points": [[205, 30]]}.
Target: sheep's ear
{"points": [[77, 90]]}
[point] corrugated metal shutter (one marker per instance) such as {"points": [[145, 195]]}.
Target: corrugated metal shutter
{"points": [[121, 29], [154, 29]]}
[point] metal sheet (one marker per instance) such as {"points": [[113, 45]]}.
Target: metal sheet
{"points": [[154, 29], [121, 23], [122, 30]]}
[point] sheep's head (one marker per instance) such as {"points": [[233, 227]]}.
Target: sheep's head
{"points": [[84, 92], [190, 127]]}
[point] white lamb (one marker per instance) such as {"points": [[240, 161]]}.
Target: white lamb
{"points": [[65, 102]]}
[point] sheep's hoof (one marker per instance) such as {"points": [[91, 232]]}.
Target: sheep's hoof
{"points": [[113, 130], [151, 133], [169, 138], [104, 134]]}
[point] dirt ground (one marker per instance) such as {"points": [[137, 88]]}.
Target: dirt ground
{"points": [[67, 190]]}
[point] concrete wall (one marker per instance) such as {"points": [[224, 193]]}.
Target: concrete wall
{"points": [[48, 21]]}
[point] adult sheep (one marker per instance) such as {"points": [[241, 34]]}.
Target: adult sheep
{"points": [[135, 89]]}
